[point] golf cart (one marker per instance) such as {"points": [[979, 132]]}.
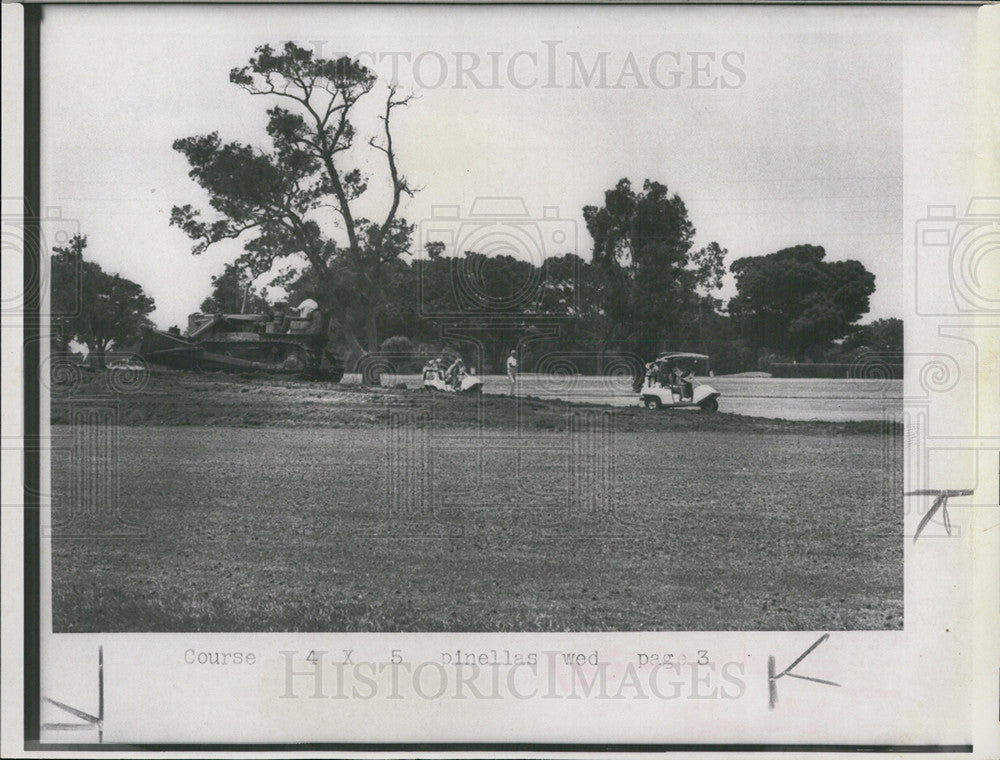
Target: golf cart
{"points": [[662, 388], [435, 380]]}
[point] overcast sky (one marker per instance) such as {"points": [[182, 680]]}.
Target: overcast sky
{"points": [[774, 133]]}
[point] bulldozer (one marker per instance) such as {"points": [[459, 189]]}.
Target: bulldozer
{"points": [[248, 343]]}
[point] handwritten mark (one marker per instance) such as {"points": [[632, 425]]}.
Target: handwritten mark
{"points": [[941, 502], [772, 677], [90, 721]]}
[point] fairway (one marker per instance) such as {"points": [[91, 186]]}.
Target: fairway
{"points": [[832, 400], [410, 528]]}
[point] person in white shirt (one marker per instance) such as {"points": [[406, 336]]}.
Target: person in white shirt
{"points": [[302, 312], [512, 369], [306, 308]]}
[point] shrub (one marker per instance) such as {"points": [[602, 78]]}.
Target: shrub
{"points": [[397, 344]]}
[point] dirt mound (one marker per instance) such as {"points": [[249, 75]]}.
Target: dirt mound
{"points": [[170, 397]]}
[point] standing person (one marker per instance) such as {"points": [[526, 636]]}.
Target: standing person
{"points": [[512, 369]]}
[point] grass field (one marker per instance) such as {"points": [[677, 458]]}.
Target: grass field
{"points": [[282, 506]]}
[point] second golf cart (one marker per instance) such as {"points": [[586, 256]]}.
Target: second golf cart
{"points": [[669, 383]]}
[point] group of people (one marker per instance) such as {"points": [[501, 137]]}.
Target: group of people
{"points": [[452, 373], [671, 375]]}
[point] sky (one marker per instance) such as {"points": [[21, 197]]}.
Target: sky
{"points": [[775, 129]]}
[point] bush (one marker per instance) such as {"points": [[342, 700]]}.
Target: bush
{"points": [[405, 356], [397, 344]]}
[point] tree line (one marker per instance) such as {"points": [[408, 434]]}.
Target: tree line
{"points": [[644, 288], [791, 305]]}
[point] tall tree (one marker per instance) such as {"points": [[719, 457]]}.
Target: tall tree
{"points": [[106, 309], [281, 198], [646, 278], [233, 292], [794, 302]]}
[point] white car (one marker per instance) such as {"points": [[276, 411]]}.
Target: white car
{"points": [[434, 380], [654, 393]]}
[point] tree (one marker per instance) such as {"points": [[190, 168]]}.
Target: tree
{"points": [[794, 302], [106, 309], [646, 280], [283, 196], [882, 335], [645, 286], [233, 293]]}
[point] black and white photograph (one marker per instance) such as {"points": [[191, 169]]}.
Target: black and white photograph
{"points": [[543, 332], [552, 338]]}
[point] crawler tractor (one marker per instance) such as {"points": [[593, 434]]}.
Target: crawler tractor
{"points": [[247, 343]]}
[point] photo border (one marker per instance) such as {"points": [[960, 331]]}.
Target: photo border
{"points": [[33, 17]]}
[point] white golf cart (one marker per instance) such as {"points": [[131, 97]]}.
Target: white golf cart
{"points": [[661, 388], [435, 380]]}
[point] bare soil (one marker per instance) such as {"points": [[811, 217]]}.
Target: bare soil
{"points": [[273, 505], [170, 398]]}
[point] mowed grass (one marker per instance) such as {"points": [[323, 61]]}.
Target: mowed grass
{"points": [[675, 522]]}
